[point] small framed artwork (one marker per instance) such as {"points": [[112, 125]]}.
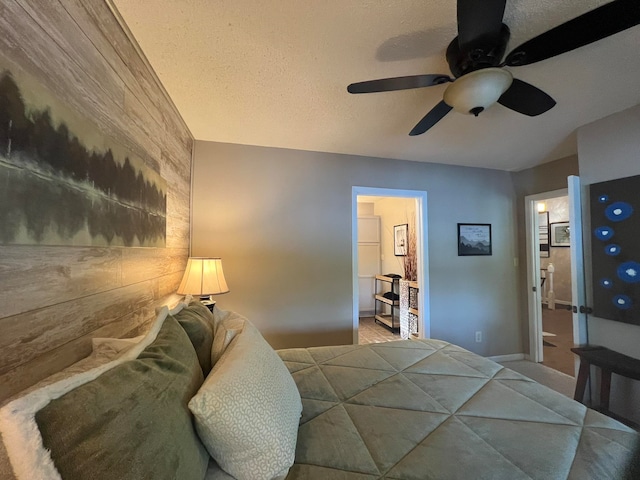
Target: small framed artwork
{"points": [[543, 233], [474, 239], [400, 240], [560, 234]]}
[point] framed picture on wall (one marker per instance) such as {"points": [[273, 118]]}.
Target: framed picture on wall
{"points": [[400, 236], [543, 233], [560, 234], [474, 239]]}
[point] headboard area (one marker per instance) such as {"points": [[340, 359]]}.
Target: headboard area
{"points": [[95, 170]]}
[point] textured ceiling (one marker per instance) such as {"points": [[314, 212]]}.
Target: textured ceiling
{"points": [[274, 73]]}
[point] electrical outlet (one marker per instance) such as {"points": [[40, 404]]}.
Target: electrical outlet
{"points": [[478, 337]]}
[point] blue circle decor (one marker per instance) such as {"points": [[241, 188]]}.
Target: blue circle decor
{"points": [[622, 302], [629, 272], [606, 282], [612, 250], [618, 211], [603, 198], [604, 233]]}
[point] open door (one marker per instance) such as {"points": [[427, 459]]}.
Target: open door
{"points": [[545, 211], [533, 279], [534, 284], [578, 290]]}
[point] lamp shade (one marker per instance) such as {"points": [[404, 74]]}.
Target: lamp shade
{"points": [[476, 91], [203, 276]]}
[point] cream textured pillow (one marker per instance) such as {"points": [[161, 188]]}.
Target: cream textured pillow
{"points": [[230, 325], [248, 409]]}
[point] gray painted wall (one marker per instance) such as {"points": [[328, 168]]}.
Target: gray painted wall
{"points": [[543, 178], [281, 221], [608, 149]]}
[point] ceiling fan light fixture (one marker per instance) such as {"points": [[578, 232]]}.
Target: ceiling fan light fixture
{"points": [[476, 91]]}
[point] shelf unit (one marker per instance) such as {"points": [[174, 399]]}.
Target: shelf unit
{"points": [[391, 320], [413, 304]]}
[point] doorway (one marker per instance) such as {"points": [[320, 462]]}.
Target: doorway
{"points": [[554, 251], [373, 254]]}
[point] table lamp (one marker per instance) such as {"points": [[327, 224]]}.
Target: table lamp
{"points": [[203, 277]]}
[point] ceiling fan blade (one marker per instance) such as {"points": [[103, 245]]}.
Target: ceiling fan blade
{"points": [[398, 83], [595, 25], [524, 98], [479, 19], [430, 119]]}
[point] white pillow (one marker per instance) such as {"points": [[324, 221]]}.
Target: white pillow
{"points": [[113, 346], [227, 328], [248, 409], [183, 302]]}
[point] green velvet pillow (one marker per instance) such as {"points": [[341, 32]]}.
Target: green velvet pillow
{"points": [[132, 421], [197, 320]]}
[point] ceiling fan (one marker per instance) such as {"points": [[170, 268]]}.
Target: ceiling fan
{"points": [[475, 59]]}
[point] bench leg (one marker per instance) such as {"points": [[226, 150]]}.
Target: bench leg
{"points": [[581, 382], [605, 388]]}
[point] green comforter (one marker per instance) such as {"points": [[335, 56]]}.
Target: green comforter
{"points": [[426, 409]]}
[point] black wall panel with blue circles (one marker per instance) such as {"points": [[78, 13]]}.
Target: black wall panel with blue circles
{"points": [[615, 249]]}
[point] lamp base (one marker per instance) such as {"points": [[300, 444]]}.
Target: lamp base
{"points": [[207, 302]]}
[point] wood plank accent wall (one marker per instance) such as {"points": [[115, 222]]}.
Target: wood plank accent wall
{"points": [[53, 300]]}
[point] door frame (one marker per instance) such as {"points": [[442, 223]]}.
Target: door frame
{"points": [[424, 319], [573, 191], [534, 291]]}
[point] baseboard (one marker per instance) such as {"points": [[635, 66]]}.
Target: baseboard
{"points": [[563, 302], [507, 358], [559, 302]]}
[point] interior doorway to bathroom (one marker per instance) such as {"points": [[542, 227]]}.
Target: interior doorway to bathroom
{"points": [[385, 221]]}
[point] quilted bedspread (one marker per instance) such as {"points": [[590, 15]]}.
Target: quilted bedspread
{"points": [[426, 409]]}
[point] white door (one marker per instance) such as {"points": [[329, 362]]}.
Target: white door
{"points": [[368, 262], [534, 286], [578, 291]]}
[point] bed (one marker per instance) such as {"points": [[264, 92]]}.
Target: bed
{"points": [[427, 409], [204, 396]]}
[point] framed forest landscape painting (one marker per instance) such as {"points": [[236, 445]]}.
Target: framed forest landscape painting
{"points": [[66, 183], [474, 239]]}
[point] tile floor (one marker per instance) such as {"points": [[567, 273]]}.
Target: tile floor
{"points": [[371, 332]]}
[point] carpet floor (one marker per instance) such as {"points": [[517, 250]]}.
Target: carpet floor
{"points": [[556, 347], [555, 380], [371, 332]]}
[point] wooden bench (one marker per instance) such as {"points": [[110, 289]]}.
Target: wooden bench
{"points": [[609, 362]]}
